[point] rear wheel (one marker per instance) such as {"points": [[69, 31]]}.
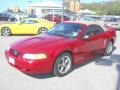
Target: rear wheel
{"points": [[42, 30], [63, 65], [5, 31], [109, 48]]}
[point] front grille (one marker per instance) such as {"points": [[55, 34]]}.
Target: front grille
{"points": [[14, 52]]}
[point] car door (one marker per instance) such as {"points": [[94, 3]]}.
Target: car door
{"points": [[97, 37], [81, 47], [29, 26], [82, 50]]}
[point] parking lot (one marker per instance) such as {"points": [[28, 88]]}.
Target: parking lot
{"points": [[102, 73]]}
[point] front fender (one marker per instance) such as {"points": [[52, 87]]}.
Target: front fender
{"points": [[59, 51]]}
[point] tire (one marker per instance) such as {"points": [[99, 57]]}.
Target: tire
{"points": [[109, 48], [5, 31], [63, 65], [42, 30]]}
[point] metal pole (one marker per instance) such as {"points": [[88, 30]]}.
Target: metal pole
{"points": [[62, 18], [53, 17]]}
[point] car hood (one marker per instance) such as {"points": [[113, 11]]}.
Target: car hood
{"points": [[36, 43]]}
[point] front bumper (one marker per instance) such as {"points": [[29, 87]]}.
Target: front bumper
{"points": [[28, 66]]}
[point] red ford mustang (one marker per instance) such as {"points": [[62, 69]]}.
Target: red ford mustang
{"points": [[67, 44]]}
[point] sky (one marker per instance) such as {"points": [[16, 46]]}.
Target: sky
{"points": [[4, 4]]}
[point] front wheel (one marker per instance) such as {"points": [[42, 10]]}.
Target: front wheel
{"points": [[5, 31], [63, 65], [109, 48]]}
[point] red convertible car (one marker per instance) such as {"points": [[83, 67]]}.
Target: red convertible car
{"points": [[67, 44]]}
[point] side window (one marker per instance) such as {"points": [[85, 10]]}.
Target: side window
{"points": [[89, 31], [32, 22], [93, 30], [25, 22], [29, 22], [99, 28]]}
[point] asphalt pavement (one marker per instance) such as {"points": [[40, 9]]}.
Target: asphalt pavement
{"points": [[102, 73]]}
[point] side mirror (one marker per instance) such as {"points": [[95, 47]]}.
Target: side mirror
{"points": [[86, 37]]}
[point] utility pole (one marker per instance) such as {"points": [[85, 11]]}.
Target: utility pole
{"points": [[62, 18]]}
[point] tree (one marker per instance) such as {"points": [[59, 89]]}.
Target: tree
{"points": [[108, 8]]}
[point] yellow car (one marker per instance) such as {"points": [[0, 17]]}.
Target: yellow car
{"points": [[26, 26]]}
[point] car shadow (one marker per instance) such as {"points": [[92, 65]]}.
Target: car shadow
{"points": [[42, 76], [108, 61], [113, 59]]}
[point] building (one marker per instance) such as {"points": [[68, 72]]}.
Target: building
{"points": [[49, 7], [73, 5], [44, 8], [14, 9]]}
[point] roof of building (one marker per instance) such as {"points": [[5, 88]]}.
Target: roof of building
{"points": [[46, 4], [88, 11]]}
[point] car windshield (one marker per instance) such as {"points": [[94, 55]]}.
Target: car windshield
{"points": [[68, 30], [112, 20]]}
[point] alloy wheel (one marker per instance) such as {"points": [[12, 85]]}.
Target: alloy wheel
{"points": [[109, 48], [42, 30], [64, 64], [5, 31]]}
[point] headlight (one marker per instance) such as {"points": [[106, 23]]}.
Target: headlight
{"points": [[35, 56]]}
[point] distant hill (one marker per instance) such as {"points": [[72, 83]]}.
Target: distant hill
{"points": [[107, 8]]}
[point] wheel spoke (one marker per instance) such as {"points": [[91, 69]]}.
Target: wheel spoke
{"points": [[62, 68], [60, 65], [66, 62]]}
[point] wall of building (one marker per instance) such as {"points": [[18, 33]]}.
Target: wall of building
{"points": [[73, 5]]}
